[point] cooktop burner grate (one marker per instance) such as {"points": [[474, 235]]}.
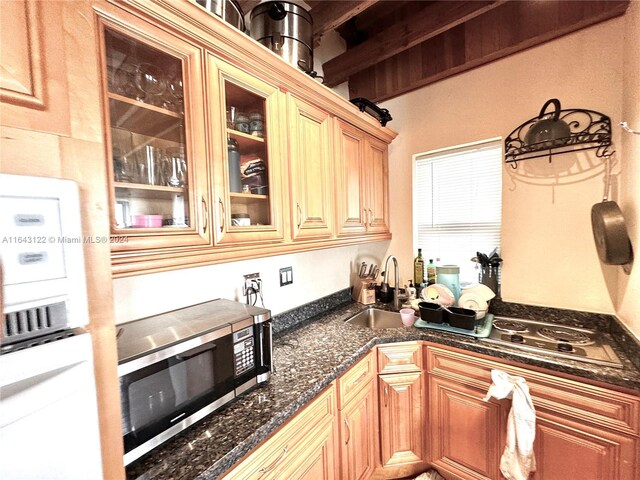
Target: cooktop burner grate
{"points": [[564, 335], [509, 326]]}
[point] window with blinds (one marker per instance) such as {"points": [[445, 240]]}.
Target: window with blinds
{"points": [[457, 209]]}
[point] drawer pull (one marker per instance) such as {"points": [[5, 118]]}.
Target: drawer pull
{"points": [[276, 461], [346, 422], [359, 379]]}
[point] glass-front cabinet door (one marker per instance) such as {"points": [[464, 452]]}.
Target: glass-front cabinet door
{"points": [[155, 139], [247, 166]]}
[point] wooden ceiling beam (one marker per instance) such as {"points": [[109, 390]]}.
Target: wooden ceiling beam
{"points": [[428, 23], [513, 27], [330, 15]]}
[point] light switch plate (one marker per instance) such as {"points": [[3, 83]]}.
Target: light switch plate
{"points": [[286, 276]]}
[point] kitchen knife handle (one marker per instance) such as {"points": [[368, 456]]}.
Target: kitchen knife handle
{"points": [[276, 462], [205, 211], [223, 214], [346, 422], [386, 395], [299, 214]]}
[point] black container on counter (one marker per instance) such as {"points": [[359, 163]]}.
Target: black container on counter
{"points": [[461, 318], [431, 312]]}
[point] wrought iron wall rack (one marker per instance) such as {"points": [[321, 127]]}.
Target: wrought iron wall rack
{"points": [[588, 130]]}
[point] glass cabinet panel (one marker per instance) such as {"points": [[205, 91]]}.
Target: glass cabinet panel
{"points": [[247, 157], [150, 159]]}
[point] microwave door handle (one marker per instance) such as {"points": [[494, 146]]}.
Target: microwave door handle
{"points": [[269, 338], [196, 351]]}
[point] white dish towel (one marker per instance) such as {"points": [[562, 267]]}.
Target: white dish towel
{"points": [[517, 459]]}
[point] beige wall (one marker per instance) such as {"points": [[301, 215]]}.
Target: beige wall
{"points": [[547, 243], [628, 288]]}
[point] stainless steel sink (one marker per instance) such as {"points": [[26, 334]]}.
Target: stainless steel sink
{"points": [[376, 319]]}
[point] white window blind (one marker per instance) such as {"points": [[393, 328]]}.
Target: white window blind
{"points": [[457, 207]]}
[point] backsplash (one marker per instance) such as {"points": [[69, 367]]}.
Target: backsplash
{"points": [[573, 318], [316, 274], [303, 313]]}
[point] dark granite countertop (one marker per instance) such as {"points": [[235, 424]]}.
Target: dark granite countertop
{"points": [[307, 359]]}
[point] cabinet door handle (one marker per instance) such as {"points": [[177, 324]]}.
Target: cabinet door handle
{"points": [[299, 214], [346, 422], [365, 215], [386, 395], [205, 211], [370, 216], [223, 214], [276, 462]]}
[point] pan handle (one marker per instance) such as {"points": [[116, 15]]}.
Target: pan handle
{"points": [[607, 177]]}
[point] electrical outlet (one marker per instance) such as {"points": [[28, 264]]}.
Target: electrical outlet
{"points": [[252, 288], [286, 276]]}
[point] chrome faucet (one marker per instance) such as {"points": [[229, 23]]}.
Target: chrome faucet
{"points": [[385, 281]]}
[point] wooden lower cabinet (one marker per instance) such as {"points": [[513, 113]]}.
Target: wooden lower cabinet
{"points": [[303, 448], [467, 435], [313, 460], [358, 435], [567, 450], [402, 424], [583, 431]]}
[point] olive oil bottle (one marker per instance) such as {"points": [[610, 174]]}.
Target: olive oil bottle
{"points": [[418, 269]]}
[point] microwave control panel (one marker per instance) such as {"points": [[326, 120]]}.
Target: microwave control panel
{"points": [[243, 351]]}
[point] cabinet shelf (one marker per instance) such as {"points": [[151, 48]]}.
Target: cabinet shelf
{"points": [[247, 197], [145, 119], [140, 190], [249, 144]]}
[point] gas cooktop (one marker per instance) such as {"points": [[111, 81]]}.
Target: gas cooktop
{"points": [[579, 344]]}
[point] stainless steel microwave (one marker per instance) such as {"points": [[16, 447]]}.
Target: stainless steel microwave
{"points": [[178, 367]]}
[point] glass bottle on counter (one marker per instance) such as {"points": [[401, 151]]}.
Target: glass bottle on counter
{"points": [[418, 268], [431, 272]]}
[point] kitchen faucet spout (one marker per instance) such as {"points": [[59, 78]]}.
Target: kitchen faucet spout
{"points": [[396, 277]]}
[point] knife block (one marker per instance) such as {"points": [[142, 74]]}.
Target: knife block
{"points": [[362, 293]]}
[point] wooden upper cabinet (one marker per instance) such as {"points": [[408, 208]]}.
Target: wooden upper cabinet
{"points": [[376, 165], [362, 182], [245, 121], [311, 172], [351, 180], [33, 80], [155, 137]]}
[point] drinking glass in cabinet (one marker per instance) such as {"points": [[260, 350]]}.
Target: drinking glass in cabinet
{"points": [[146, 114]]}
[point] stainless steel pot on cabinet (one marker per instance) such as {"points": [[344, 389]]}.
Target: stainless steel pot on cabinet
{"points": [[228, 10], [286, 29]]}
